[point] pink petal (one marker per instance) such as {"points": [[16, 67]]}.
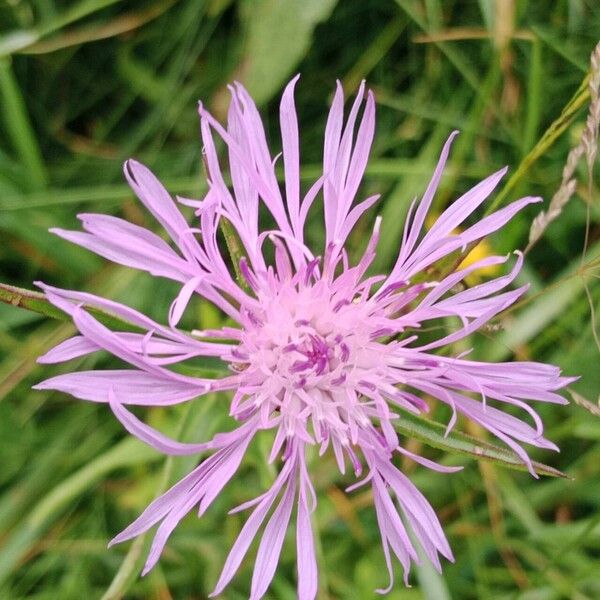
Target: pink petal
{"points": [[249, 530], [151, 436], [156, 199], [291, 154], [271, 543], [72, 348], [131, 386]]}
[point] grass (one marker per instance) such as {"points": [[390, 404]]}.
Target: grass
{"points": [[87, 83]]}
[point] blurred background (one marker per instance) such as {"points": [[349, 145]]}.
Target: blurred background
{"points": [[84, 84]]}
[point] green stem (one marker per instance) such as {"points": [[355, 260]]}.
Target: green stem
{"points": [[37, 302], [235, 250]]}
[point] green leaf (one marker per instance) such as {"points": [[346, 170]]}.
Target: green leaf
{"points": [[127, 453], [19, 126], [279, 34], [19, 40], [433, 434]]}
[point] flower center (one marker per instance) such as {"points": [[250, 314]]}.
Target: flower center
{"points": [[308, 355], [303, 339], [313, 356]]}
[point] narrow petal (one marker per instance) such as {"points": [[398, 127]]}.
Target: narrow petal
{"points": [[462, 208], [68, 301], [271, 543], [164, 531], [156, 199], [362, 149], [249, 530], [305, 545], [430, 464], [131, 254], [69, 349], [131, 386], [151, 436], [180, 303], [291, 153], [414, 227]]}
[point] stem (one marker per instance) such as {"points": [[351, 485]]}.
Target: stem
{"points": [[235, 251], [37, 302]]}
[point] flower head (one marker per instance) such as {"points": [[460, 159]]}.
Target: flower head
{"points": [[320, 352]]}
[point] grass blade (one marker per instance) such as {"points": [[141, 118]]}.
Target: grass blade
{"points": [[127, 453]]}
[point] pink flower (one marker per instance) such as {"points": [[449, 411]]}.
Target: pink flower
{"points": [[321, 354]]}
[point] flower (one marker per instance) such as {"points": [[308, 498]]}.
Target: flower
{"points": [[320, 353]]}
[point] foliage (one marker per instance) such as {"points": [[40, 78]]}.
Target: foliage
{"points": [[87, 83]]}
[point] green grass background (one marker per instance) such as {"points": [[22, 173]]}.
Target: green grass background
{"points": [[84, 84]]}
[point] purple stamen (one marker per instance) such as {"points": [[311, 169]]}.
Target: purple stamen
{"points": [[299, 366], [321, 365], [300, 383], [339, 380], [392, 287], [310, 269], [341, 304], [248, 275], [319, 345], [254, 319], [345, 352]]}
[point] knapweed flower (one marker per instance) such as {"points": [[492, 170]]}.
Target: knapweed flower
{"points": [[320, 352]]}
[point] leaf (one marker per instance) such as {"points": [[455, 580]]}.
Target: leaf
{"points": [[119, 25], [19, 127], [19, 40], [432, 434], [278, 34], [127, 453]]}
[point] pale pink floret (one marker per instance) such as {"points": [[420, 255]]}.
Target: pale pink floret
{"points": [[320, 353]]}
